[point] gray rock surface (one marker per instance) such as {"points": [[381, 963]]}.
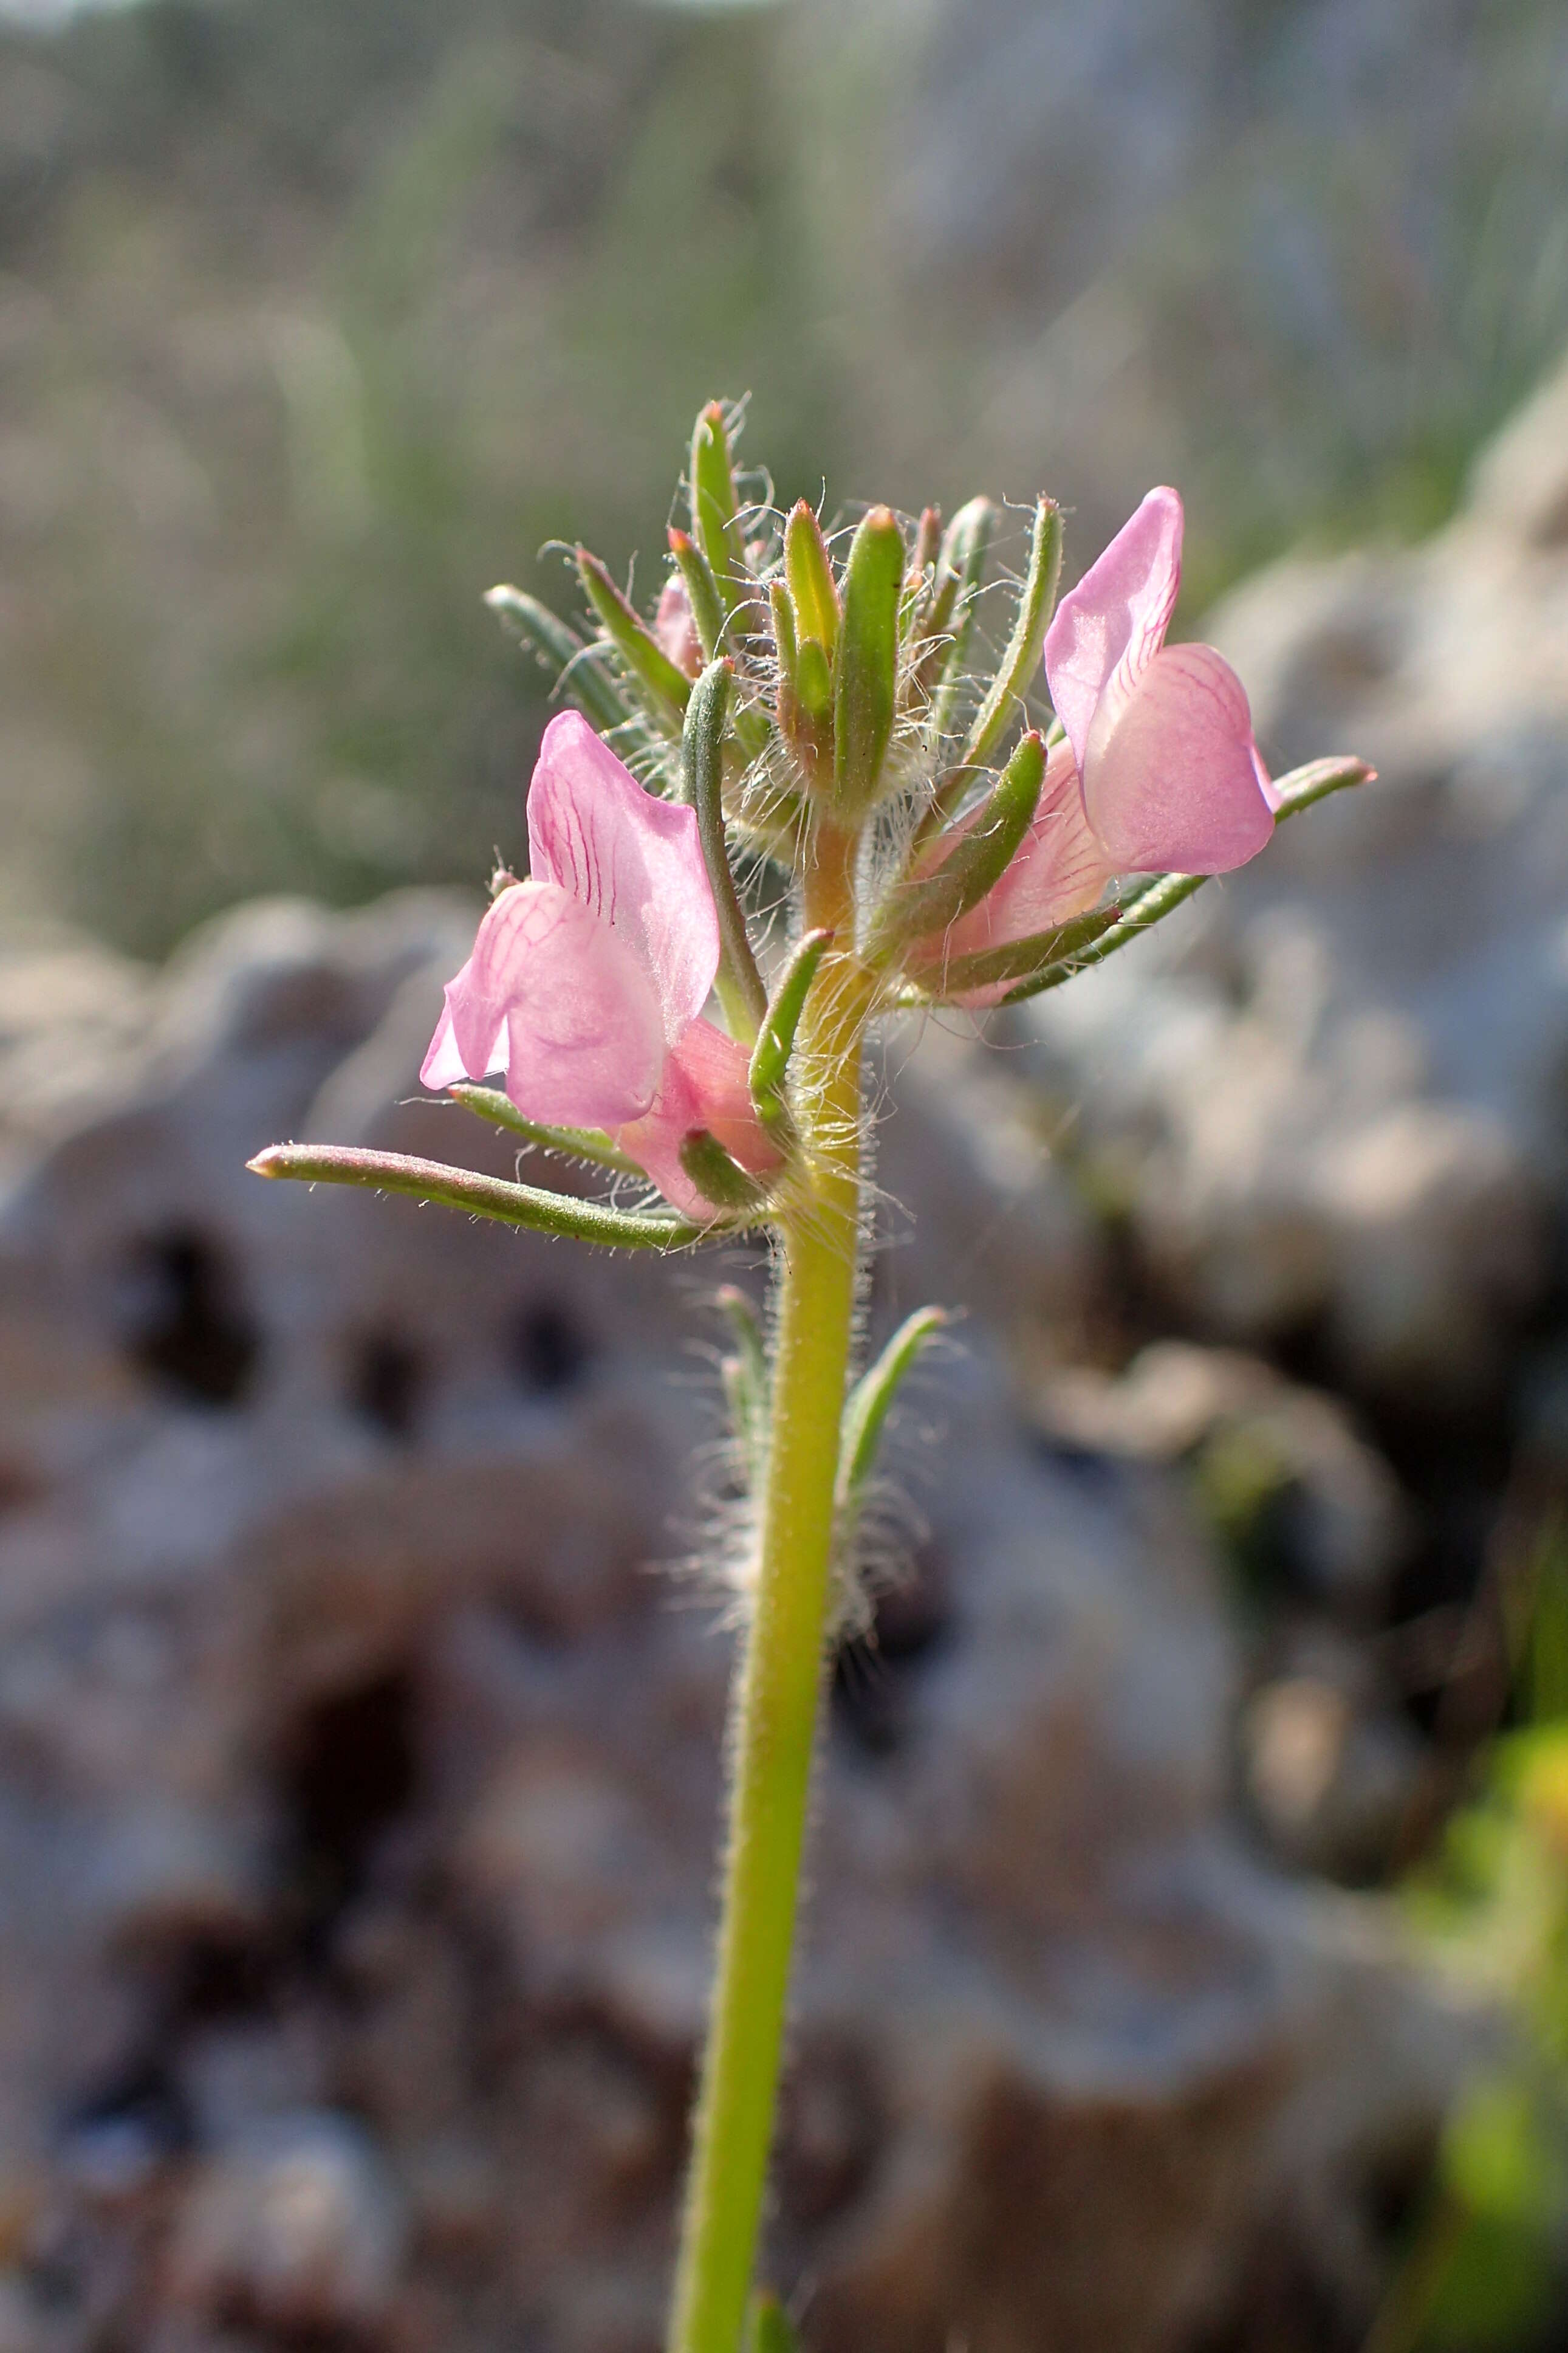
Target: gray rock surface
{"points": [[1331, 1097], [358, 1780]]}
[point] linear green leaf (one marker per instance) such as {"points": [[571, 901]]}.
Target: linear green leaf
{"points": [[663, 688], [582, 1143], [482, 1197], [574, 666], [867, 1406], [1036, 602], [738, 981]]}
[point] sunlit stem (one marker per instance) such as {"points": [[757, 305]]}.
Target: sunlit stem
{"points": [[781, 1675]]}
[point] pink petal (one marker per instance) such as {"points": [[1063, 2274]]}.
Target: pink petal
{"points": [[675, 628], [1059, 871], [703, 1085], [1172, 779], [444, 1065], [556, 999], [629, 859], [1107, 630]]}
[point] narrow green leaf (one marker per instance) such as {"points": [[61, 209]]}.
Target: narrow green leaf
{"points": [[775, 1038], [977, 861], [719, 1177], [809, 573], [702, 592], [959, 577], [868, 670], [813, 680], [581, 1143], [1036, 602], [1018, 959], [869, 1401], [715, 509], [738, 981], [664, 688], [482, 1197], [575, 667], [1302, 788]]}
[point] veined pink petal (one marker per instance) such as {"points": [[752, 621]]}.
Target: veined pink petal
{"points": [[675, 628], [554, 997], [1173, 778], [703, 1085], [1107, 630], [634, 861]]}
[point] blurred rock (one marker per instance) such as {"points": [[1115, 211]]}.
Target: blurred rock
{"points": [[295, 2225], [1280, 1468], [1333, 1099], [353, 1766]]}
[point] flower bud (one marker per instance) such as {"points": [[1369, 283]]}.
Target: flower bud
{"points": [[868, 669]]}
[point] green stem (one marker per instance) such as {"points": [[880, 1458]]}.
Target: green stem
{"points": [[780, 1674]]}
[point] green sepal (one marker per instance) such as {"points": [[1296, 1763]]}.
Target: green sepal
{"points": [[809, 573], [866, 1408], [1036, 603], [738, 981], [813, 681], [715, 509], [746, 1382], [484, 1197], [769, 2328], [775, 1039], [581, 1143], [1295, 792], [702, 592], [787, 642], [868, 668], [576, 667], [1016, 960], [959, 577], [662, 687], [718, 1176], [979, 857], [920, 577]]}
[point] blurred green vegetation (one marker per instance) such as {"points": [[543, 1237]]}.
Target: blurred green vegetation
{"points": [[1488, 2261]]}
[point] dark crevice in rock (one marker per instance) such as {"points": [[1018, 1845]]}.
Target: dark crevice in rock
{"points": [[187, 1325]]}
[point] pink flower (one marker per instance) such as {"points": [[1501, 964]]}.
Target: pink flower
{"points": [[587, 981], [1162, 734], [1159, 772]]}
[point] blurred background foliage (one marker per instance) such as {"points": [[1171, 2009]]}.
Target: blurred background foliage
{"points": [[315, 320]]}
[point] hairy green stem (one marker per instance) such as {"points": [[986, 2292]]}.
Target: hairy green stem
{"points": [[780, 1674]]}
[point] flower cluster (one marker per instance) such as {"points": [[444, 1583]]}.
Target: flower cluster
{"points": [[586, 986]]}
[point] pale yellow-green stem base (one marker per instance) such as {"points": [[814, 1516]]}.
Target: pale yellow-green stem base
{"points": [[779, 1690]]}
